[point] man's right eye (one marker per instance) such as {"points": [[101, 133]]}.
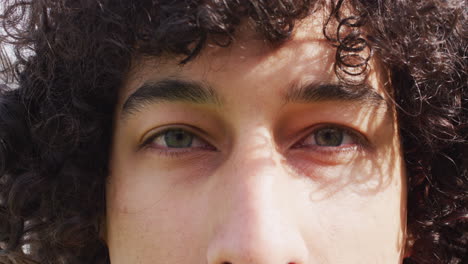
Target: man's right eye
{"points": [[177, 138]]}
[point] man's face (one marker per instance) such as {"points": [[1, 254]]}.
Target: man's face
{"points": [[254, 154]]}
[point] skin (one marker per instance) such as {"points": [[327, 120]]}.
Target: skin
{"points": [[254, 187]]}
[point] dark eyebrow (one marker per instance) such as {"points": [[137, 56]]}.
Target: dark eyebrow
{"points": [[169, 90], [333, 92]]}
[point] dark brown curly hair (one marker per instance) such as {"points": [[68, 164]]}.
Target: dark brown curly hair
{"points": [[71, 56]]}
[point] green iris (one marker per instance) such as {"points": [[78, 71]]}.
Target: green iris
{"points": [[329, 137], [178, 138]]}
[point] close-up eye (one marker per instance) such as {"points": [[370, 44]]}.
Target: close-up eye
{"points": [[177, 138], [329, 136]]}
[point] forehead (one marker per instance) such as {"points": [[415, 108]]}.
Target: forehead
{"points": [[307, 57]]}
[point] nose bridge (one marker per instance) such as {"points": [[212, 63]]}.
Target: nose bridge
{"points": [[253, 226], [253, 161], [250, 174]]}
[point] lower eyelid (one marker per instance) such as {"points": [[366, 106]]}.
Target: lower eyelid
{"points": [[174, 153], [341, 149]]}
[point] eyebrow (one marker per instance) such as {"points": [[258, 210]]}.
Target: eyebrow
{"points": [[176, 90], [169, 90]]}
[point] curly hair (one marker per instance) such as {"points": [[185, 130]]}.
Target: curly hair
{"points": [[71, 57]]}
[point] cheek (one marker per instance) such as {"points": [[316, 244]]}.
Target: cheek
{"points": [[148, 221], [354, 219], [153, 209]]}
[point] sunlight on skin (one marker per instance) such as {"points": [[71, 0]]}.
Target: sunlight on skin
{"points": [[257, 199]]}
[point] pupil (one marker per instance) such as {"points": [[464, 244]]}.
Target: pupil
{"points": [[329, 137], [178, 139]]}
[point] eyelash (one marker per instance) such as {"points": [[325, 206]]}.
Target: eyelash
{"points": [[360, 142]]}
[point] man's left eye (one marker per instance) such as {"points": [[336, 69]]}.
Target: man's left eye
{"points": [[329, 137]]}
